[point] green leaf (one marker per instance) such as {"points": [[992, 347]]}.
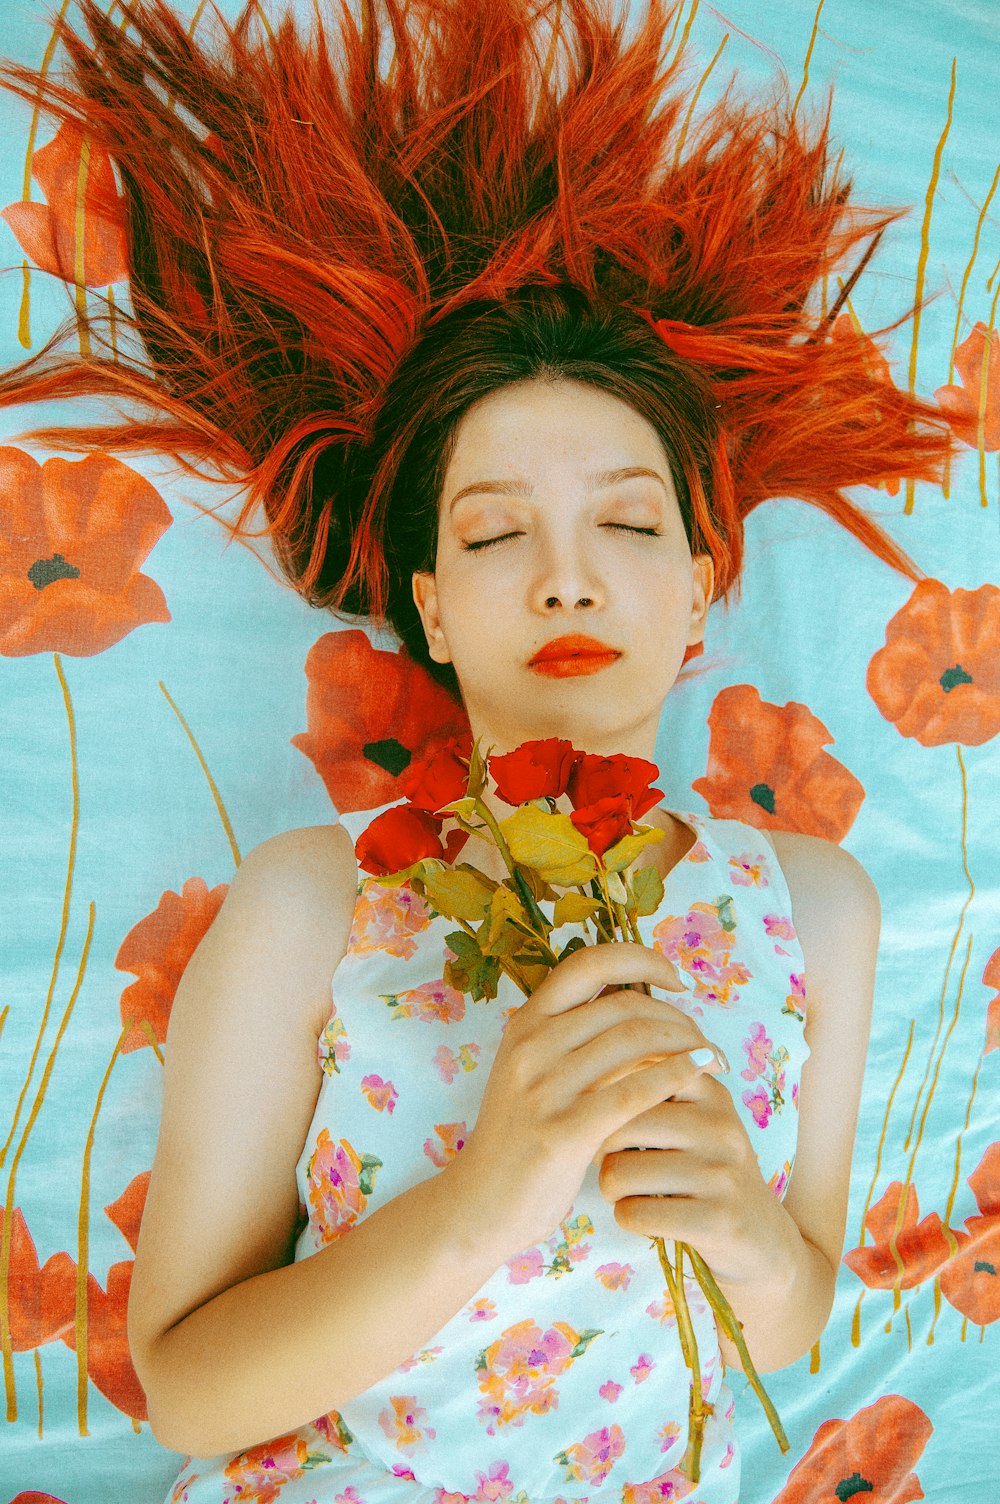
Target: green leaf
{"points": [[625, 851], [585, 1339], [647, 886], [550, 843], [471, 972]]}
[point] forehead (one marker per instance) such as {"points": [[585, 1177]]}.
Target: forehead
{"points": [[547, 429]]}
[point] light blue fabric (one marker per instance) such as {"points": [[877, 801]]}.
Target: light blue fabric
{"points": [[134, 769]]}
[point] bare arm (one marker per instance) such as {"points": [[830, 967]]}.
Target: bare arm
{"points": [[837, 916], [233, 1343]]}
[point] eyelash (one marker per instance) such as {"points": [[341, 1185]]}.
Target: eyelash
{"points": [[649, 532]]}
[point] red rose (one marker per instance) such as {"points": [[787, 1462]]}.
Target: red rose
{"points": [[534, 770], [398, 838], [595, 778], [436, 778], [603, 823]]}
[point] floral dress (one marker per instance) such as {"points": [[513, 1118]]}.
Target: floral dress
{"points": [[562, 1379]]}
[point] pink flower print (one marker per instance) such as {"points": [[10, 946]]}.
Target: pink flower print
{"points": [[591, 1460], [730, 1454], [448, 1064], [432, 1002], [614, 1276], [795, 1095], [749, 871], [402, 1424], [332, 1046], [758, 1047], [525, 1266], [483, 1310], [795, 1002], [662, 1489], [333, 1429], [759, 1104], [387, 919], [517, 1373], [496, 1487], [779, 1179], [642, 1368], [610, 1391], [262, 1471], [340, 1182], [381, 1095], [780, 925], [349, 1496], [425, 1355], [452, 1136], [566, 1246], [662, 1310], [669, 1434], [701, 944]]}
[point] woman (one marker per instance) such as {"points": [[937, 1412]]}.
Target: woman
{"points": [[503, 364]]}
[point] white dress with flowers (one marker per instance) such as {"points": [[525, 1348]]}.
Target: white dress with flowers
{"points": [[563, 1377]]}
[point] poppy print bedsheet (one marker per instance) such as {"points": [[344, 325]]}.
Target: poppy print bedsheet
{"points": [[165, 705]]}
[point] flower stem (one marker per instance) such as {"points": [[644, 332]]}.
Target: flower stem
{"points": [[698, 1410]]}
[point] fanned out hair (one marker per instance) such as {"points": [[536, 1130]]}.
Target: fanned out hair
{"points": [[331, 259]]}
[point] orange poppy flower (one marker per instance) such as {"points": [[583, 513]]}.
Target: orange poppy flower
{"points": [[991, 978], [41, 1300], [48, 232], [74, 537], [980, 388], [938, 677], [971, 1282], [126, 1211], [922, 1246], [766, 765], [870, 1456], [370, 713], [157, 950]]}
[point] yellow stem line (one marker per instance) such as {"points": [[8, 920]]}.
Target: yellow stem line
{"points": [[694, 100], [951, 957], [67, 896], [80, 247], [809, 53], [223, 816], [83, 1242], [925, 233], [5, 1334]]}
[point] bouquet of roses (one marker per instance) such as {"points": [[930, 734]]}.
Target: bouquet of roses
{"points": [[580, 862]]}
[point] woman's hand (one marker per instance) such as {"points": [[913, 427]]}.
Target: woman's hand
{"points": [[698, 1180], [581, 1057]]}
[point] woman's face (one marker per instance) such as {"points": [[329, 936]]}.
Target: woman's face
{"points": [[525, 469]]}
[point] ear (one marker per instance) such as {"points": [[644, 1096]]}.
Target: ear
{"points": [[704, 585], [425, 598]]}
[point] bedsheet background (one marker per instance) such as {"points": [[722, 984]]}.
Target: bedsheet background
{"points": [[165, 705]]}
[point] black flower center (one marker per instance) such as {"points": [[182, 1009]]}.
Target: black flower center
{"points": [[763, 794], [44, 571], [953, 676], [388, 754], [855, 1484]]}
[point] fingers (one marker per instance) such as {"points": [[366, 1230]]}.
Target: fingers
{"points": [[591, 969], [660, 1027]]}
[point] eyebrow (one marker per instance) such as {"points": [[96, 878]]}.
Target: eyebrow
{"points": [[522, 488]]}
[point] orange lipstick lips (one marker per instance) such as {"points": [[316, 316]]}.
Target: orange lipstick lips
{"points": [[568, 656]]}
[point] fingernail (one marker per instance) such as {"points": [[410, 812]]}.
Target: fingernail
{"points": [[723, 1060], [701, 1057]]}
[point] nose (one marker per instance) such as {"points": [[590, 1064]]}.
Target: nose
{"points": [[566, 581]]}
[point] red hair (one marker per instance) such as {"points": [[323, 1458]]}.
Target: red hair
{"points": [[297, 218]]}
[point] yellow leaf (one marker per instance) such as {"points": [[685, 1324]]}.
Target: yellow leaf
{"points": [[572, 907], [625, 851], [460, 893], [550, 843], [504, 906]]}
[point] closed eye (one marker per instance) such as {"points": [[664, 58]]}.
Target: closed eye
{"points": [[649, 532]]}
